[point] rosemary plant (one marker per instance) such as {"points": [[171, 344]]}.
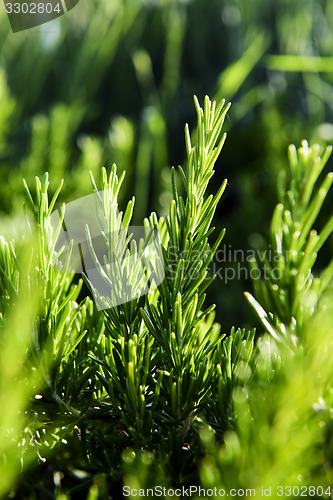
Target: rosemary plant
{"points": [[160, 358], [146, 390], [290, 293]]}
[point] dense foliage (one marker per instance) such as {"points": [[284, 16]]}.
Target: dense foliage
{"points": [[147, 391], [112, 82]]}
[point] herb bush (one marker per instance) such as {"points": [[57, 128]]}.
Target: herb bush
{"points": [[114, 80], [153, 392]]}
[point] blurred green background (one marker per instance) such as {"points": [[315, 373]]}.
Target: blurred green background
{"points": [[113, 81]]}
